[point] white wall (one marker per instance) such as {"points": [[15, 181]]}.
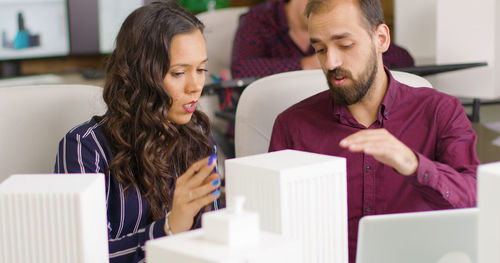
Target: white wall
{"points": [[415, 28], [449, 32]]}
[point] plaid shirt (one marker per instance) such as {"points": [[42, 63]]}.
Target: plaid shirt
{"points": [[263, 47]]}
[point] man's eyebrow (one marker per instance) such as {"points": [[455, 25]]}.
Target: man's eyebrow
{"points": [[334, 37]]}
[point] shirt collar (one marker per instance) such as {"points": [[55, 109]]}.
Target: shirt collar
{"points": [[282, 21], [390, 96]]}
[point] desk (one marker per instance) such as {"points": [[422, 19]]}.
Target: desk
{"points": [[426, 70], [50, 79], [486, 150], [77, 78]]}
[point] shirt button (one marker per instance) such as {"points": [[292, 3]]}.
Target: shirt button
{"points": [[368, 209], [368, 168], [426, 175], [447, 193]]}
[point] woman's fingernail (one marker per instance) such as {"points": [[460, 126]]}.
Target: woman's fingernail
{"points": [[216, 192], [212, 158], [215, 182]]}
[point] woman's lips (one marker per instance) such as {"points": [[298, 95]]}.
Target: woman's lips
{"points": [[190, 107]]}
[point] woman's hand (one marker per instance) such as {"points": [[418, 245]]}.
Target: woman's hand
{"points": [[194, 189]]}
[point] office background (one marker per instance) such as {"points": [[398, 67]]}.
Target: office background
{"points": [[85, 62]]}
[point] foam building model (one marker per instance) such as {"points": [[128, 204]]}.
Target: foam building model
{"points": [[489, 213], [297, 194], [53, 218], [229, 235]]}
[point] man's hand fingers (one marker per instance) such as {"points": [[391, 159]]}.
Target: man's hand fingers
{"points": [[384, 147], [364, 136]]}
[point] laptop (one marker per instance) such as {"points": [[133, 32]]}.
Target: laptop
{"points": [[443, 236]]}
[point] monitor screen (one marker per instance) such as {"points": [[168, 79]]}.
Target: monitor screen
{"points": [[112, 13], [33, 29]]}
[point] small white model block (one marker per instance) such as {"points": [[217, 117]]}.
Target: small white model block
{"points": [[226, 237], [233, 226]]}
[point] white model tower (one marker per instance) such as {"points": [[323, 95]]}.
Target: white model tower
{"points": [[53, 218], [298, 194]]}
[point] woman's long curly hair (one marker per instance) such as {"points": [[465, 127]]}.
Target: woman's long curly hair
{"points": [[150, 151]]}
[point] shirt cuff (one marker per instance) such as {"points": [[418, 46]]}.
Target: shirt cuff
{"points": [[158, 229], [427, 173]]}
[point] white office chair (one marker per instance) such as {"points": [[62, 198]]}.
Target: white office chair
{"points": [[262, 101], [34, 118], [220, 28]]}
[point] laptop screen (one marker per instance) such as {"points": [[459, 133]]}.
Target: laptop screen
{"points": [[420, 237]]}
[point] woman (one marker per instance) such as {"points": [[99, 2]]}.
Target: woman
{"points": [[152, 144]]}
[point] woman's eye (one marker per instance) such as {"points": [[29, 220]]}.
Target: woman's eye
{"points": [[177, 74], [202, 70]]}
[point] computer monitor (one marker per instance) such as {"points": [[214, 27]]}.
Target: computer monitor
{"points": [[83, 27], [32, 29], [94, 25], [111, 14], [432, 237]]}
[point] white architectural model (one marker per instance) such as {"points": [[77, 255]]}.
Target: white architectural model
{"points": [[489, 213], [53, 218], [228, 236], [298, 194]]}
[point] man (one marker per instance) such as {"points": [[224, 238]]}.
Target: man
{"points": [[272, 37], [407, 149]]}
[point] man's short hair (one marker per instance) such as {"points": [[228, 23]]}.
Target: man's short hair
{"points": [[372, 11]]}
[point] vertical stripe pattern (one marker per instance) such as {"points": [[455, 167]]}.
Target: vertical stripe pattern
{"points": [[84, 149]]}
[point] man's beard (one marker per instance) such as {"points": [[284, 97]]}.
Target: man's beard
{"points": [[351, 94]]}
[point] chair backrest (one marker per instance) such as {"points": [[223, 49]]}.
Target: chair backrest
{"points": [[34, 118], [220, 28], [262, 101]]}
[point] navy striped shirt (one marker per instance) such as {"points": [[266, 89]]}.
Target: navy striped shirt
{"points": [[84, 150]]}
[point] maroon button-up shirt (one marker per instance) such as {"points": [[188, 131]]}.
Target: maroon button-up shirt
{"points": [[434, 125], [262, 45]]}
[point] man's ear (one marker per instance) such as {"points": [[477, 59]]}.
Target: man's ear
{"points": [[382, 37]]}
